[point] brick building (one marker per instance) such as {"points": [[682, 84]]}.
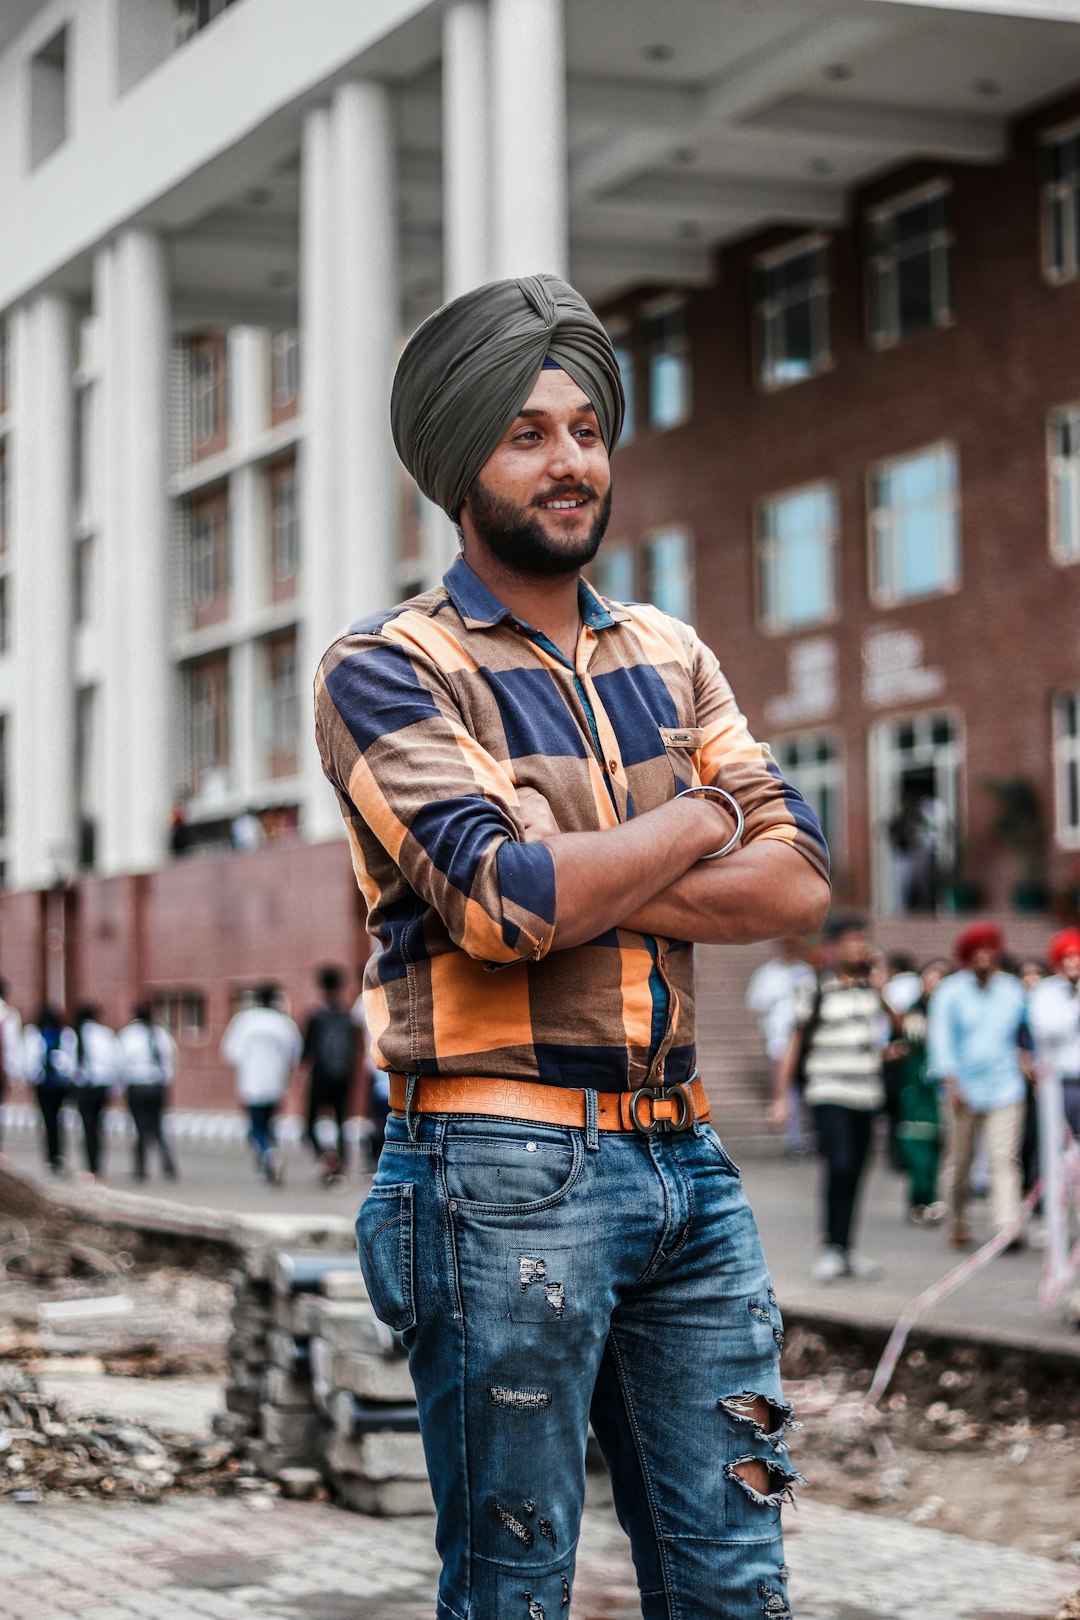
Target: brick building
{"points": [[836, 241]]}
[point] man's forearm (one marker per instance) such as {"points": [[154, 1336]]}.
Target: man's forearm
{"points": [[601, 877], [760, 892]]}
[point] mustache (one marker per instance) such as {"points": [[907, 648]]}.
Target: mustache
{"points": [[583, 492]]}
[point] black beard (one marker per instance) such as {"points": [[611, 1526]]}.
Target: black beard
{"points": [[522, 544]]}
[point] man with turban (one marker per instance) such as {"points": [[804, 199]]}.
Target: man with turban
{"points": [[533, 780], [975, 1021], [1054, 1016]]}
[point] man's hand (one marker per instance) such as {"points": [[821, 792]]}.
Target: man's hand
{"points": [[537, 815]]}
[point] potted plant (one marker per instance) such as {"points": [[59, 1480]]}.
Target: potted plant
{"points": [[1019, 826]]}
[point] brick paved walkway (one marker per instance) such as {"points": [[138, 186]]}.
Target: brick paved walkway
{"points": [[213, 1559]]}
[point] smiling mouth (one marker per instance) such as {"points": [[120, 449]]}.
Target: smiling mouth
{"points": [[571, 503]]}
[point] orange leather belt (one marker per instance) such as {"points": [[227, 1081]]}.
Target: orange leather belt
{"points": [[648, 1110]]}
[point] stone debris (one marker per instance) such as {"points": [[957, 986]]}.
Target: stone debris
{"points": [[319, 1387], [46, 1452]]}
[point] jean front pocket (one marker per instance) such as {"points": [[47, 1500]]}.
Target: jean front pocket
{"points": [[519, 1171], [384, 1242]]}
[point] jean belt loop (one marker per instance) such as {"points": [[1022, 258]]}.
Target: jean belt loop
{"points": [[411, 1119], [592, 1121]]}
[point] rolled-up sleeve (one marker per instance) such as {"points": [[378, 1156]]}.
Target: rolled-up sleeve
{"points": [[730, 758], [395, 747]]}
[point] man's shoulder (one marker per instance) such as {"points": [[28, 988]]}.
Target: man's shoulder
{"points": [[402, 622]]}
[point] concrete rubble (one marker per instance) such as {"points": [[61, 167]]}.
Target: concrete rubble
{"points": [[319, 1389]]}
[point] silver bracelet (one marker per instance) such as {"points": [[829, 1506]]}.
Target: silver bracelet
{"points": [[740, 819]]}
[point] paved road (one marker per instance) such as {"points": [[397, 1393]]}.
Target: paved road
{"points": [[215, 1559], [1001, 1301]]}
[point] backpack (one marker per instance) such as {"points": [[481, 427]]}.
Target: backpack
{"points": [[52, 1070], [808, 1029], [334, 1048]]}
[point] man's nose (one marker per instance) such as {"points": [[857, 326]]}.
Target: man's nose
{"points": [[567, 458]]}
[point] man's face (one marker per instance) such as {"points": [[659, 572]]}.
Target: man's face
{"points": [[983, 959], [853, 952], [1070, 966], [542, 499]]}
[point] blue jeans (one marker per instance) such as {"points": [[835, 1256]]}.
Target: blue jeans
{"points": [[262, 1133], [541, 1282]]}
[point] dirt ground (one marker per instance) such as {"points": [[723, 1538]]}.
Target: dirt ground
{"points": [[974, 1443], [967, 1441]]}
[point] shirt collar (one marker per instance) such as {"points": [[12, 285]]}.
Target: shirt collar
{"points": [[480, 609]]}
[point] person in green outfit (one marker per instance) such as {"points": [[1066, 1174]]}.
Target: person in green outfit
{"points": [[918, 1129]]}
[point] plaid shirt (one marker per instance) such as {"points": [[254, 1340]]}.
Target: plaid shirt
{"points": [[428, 718]]}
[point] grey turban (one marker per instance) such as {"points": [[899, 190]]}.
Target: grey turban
{"points": [[467, 371]]}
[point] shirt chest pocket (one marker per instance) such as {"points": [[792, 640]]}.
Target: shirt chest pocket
{"points": [[682, 745]]}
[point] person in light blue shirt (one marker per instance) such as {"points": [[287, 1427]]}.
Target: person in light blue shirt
{"points": [[974, 1050]]}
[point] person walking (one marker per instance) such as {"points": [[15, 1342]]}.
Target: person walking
{"points": [[976, 1019], [262, 1045], [1054, 1018], [148, 1056], [97, 1073], [842, 1031], [331, 1050], [918, 1126], [11, 1050], [49, 1061], [532, 779], [770, 995]]}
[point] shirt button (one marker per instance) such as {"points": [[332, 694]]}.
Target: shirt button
{"points": [[612, 764]]}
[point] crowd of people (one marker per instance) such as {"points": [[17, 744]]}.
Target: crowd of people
{"points": [[951, 1054], [83, 1063]]}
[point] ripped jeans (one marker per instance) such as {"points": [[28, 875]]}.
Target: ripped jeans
{"points": [[541, 1282]]}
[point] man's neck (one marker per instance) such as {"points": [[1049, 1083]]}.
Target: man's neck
{"points": [[983, 977], [548, 603]]}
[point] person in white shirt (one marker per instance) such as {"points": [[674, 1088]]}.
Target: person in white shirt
{"points": [[1054, 1021], [262, 1045], [48, 1063], [148, 1055], [97, 1072], [11, 1048], [770, 994]]}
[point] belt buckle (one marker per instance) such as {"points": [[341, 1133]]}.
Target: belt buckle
{"points": [[683, 1120]]}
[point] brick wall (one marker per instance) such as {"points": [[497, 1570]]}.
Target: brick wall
{"points": [[1011, 635]]}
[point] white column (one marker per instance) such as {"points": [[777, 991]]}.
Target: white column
{"points": [[527, 137], [369, 327], [140, 743], [324, 608], [249, 416], [43, 710], [464, 147]]}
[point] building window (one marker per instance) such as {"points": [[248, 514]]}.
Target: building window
{"points": [[812, 764], [910, 273], [282, 706], [208, 711], [613, 572], [1061, 204], [182, 1013], [204, 581], [193, 15], [5, 615], [284, 374], [208, 560], [48, 98], [1067, 767], [207, 387], [284, 524], [667, 572], [791, 313], [622, 341], [914, 524], [1064, 450], [668, 363], [796, 558]]}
